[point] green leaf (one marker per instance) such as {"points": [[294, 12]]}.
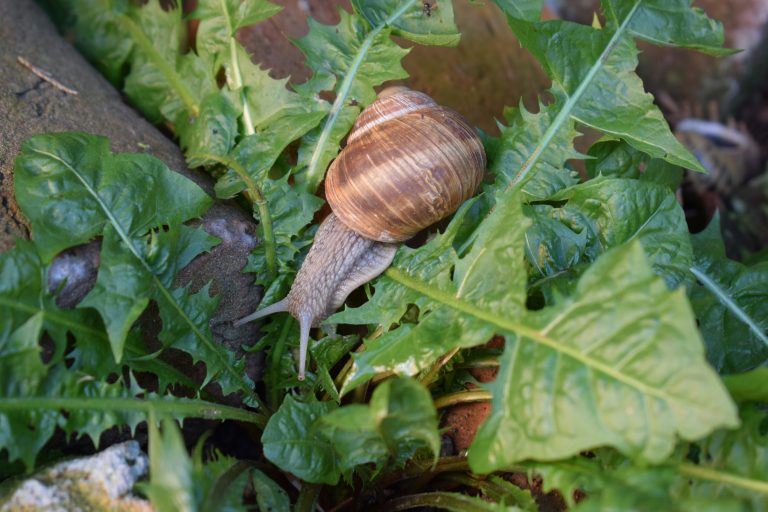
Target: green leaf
{"points": [[364, 57], [400, 419], [594, 79], [425, 25], [731, 304], [447, 303], [269, 495], [170, 487], [293, 442], [221, 19], [669, 23], [614, 157], [213, 132], [124, 197], [617, 364], [734, 464], [604, 213], [628, 488], [525, 132]]}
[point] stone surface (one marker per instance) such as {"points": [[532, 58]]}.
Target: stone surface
{"points": [[30, 105], [101, 482]]}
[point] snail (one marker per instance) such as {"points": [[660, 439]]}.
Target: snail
{"points": [[407, 164]]}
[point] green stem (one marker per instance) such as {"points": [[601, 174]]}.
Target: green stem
{"points": [[184, 407], [275, 359], [723, 297], [704, 473], [314, 172], [570, 104], [256, 197], [431, 375], [461, 397], [308, 497], [441, 500], [175, 81]]}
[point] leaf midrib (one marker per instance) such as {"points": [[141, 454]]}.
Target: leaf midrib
{"points": [[570, 104], [488, 317], [160, 286], [314, 174]]}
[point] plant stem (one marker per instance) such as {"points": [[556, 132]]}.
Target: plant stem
{"points": [[475, 395], [723, 297], [275, 359], [441, 500], [314, 172], [308, 497], [713, 475], [431, 374], [174, 80], [185, 407], [256, 197]]}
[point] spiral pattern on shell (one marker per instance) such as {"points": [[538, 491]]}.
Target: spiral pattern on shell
{"points": [[408, 163]]}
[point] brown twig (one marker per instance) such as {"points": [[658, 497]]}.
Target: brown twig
{"points": [[43, 75]]}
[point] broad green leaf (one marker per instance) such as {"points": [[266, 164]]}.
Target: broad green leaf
{"points": [[604, 213], [595, 82], [126, 198], [399, 419], [364, 57], [213, 132], [422, 22], [100, 35], [669, 23], [619, 364], [490, 278], [731, 304], [293, 442], [147, 83]]}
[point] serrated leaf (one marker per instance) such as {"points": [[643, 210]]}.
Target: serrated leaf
{"points": [[619, 365], [422, 22], [593, 76], [731, 304], [399, 419], [423, 277], [365, 57], [221, 19], [213, 132], [669, 23], [122, 197], [605, 213], [293, 443], [524, 134]]}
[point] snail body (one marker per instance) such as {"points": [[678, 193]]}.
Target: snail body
{"points": [[407, 164]]}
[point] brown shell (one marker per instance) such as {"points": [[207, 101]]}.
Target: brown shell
{"points": [[408, 163]]}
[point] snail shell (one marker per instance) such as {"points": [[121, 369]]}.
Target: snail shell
{"points": [[408, 163]]}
